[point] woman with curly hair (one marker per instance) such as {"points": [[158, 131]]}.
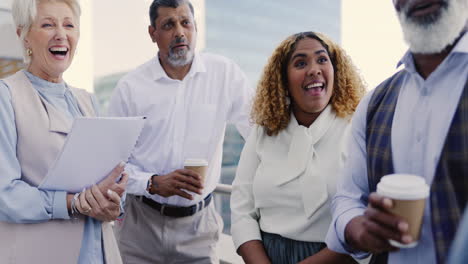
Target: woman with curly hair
{"points": [[289, 165]]}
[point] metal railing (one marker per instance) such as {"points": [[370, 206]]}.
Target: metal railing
{"points": [[226, 249], [225, 189]]}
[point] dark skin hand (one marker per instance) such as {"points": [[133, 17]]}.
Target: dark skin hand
{"points": [[371, 231], [176, 182]]}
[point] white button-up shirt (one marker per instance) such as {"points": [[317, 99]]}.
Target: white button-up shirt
{"points": [[284, 183], [185, 119]]}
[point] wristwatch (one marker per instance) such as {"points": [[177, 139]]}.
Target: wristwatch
{"points": [[151, 183]]}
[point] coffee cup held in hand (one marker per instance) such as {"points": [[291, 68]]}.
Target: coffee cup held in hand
{"points": [[409, 193], [200, 166]]}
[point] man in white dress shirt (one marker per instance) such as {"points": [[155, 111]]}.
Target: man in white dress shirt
{"points": [[187, 98]]}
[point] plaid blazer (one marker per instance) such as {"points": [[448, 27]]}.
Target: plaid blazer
{"points": [[449, 189]]}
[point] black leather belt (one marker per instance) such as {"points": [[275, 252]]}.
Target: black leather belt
{"points": [[176, 211]]}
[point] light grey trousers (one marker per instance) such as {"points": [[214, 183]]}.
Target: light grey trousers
{"points": [[146, 236]]}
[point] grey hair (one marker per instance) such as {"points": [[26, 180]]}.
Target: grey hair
{"points": [[153, 11], [25, 11]]}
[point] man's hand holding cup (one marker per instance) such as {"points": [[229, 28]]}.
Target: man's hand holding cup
{"points": [[394, 217], [178, 183]]}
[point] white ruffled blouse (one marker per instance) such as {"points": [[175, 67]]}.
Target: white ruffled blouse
{"points": [[284, 183]]}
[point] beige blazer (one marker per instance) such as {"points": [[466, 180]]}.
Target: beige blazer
{"points": [[41, 132]]}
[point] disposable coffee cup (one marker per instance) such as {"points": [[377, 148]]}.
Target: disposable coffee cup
{"points": [[199, 166], [409, 193]]}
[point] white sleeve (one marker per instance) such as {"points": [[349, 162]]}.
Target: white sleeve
{"points": [[350, 199], [241, 97], [244, 215], [120, 106]]}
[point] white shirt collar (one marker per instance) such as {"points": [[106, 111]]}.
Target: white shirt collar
{"points": [[318, 128], [302, 143], [301, 152]]}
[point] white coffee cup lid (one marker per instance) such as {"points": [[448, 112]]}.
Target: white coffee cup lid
{"points": [[195, 162], [403, 187]]}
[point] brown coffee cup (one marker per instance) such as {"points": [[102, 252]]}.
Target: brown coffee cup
{"points": [[409, 193], [199, 166]]}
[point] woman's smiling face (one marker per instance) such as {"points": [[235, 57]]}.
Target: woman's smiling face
{"points": [[310, 76], [52, 39]]}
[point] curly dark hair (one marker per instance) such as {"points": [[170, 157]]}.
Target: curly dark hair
{"points": [[270, 108]]}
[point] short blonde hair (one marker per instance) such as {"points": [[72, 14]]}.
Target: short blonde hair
{"points": [[271, 109], [25, 11]]}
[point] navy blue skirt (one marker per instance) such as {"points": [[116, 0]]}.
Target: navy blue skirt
{"points": [[283, 250]]}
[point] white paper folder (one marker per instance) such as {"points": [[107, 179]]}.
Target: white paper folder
{"points": [[91, 151]]}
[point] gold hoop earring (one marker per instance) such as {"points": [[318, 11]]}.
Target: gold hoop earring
{"points": [[29, 52]]}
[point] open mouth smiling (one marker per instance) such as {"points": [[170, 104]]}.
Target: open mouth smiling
{"points": [[317, 87], [60, 51]]}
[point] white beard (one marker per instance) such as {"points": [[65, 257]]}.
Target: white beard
{"points": [[436, 36], [180, 58]]}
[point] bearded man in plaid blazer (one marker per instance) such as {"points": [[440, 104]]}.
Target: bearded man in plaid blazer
{"points": [[415, 122]]}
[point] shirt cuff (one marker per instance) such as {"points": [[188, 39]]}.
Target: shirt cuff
{"points": [[335, 239], [59, 208], [137, 185], [122, 205], [244, 231]]}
